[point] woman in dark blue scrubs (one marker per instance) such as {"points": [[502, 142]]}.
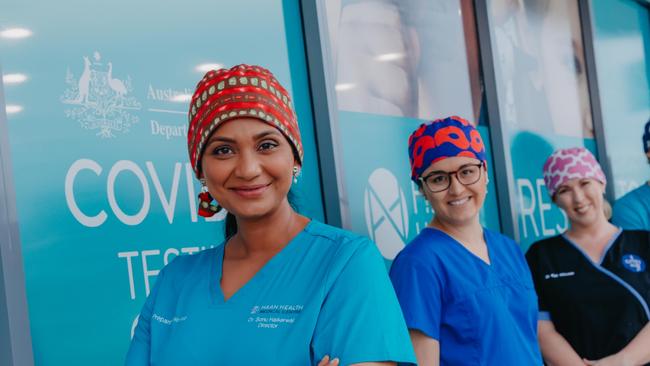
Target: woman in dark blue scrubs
{"points": [[592, 281], [465, 291]]}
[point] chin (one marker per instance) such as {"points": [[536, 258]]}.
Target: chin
{"points": [[250, 211], [586, 220], [460, 219], [464, 214]]}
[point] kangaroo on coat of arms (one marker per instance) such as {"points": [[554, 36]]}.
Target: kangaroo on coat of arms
{"points": [[99, 100]]}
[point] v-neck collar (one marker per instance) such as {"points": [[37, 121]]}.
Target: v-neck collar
{"points": [[611, 242], [463, 248], [216, 271]]}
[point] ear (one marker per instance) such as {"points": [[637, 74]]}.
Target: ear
{"points": [[296, 164]]}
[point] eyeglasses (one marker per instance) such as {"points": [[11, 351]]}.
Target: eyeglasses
{"points": [[439, 181]]}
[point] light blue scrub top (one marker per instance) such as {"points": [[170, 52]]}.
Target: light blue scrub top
{"points": [[480, 314], [326, 293], [632, 211]]}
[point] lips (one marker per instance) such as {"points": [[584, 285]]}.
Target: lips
{"points": [[252, 191], [459, 202], [582, 209]]}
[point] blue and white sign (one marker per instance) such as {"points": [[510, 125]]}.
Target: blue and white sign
{"points": [[104, 190]]}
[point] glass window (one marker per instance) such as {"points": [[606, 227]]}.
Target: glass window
{"points": [[622, 47], [98, 94], [394, 65], [543, 101]]}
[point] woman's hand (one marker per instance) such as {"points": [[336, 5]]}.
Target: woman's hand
{"points": [[326, 361], [613, 360], [635, 353]]}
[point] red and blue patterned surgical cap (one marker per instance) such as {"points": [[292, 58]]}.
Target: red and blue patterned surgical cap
{"points": [[441, 139]]}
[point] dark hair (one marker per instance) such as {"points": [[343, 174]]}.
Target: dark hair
{"points": [[230, 227]]}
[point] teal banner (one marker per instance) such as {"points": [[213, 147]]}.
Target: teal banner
{"points": [[97, 125]]}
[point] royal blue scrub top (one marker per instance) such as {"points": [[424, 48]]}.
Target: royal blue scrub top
{"points": [[481, 314], [326, 293]]}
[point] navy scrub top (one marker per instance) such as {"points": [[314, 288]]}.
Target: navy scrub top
{"points": [[481, 314], [597, 307]]}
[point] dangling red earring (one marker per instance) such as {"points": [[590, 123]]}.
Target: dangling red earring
{"points": [[207, 207]]}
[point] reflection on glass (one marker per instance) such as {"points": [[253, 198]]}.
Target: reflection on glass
{"points": [[180, 98], [414, 59], [394, 64], [539, 64], [622, 51], [14, 78], [13, 108], [203, 68], [15, 33], [543, 101]]}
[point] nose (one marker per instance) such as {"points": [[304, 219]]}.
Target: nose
{"points": [[578, 195], [248, 166], [455, 187]]}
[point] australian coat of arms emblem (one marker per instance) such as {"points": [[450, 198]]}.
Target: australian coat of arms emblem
{"points": [[99, 100]]}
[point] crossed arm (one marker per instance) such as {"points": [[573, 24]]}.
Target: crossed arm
{"points": [[558, 352], [335, 362]]}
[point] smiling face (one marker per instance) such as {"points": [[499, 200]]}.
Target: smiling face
{"points": [[248, 165], [582, 200], [460, 204]]}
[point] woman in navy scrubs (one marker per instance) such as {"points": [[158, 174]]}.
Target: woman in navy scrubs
{"points": [[592, 281], [465, 291]]}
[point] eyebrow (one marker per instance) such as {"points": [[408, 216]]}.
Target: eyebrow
{"points": [[266, 133], [258, 136], [438, 172], [459, 168]]}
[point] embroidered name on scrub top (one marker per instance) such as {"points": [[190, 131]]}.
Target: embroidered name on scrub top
{"points": [[166, 321], [273, 316], [559, 275]]}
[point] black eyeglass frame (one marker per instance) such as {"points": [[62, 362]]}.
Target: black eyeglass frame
{"points": [[449, 175]]}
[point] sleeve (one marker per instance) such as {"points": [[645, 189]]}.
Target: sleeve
{"points": [[532, 257], [360, 319], [627, 216], [139, 350], [419, 291]]}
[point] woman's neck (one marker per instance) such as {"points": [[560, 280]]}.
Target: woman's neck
{"points": [[268, 234], [596, 228], [469, 233], [593, 237]]}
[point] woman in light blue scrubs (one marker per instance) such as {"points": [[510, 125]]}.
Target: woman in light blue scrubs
{"points": [[466, 292], [282, 289]]}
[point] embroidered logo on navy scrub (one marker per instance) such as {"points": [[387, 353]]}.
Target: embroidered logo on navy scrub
{"points": [[633, 263]]}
